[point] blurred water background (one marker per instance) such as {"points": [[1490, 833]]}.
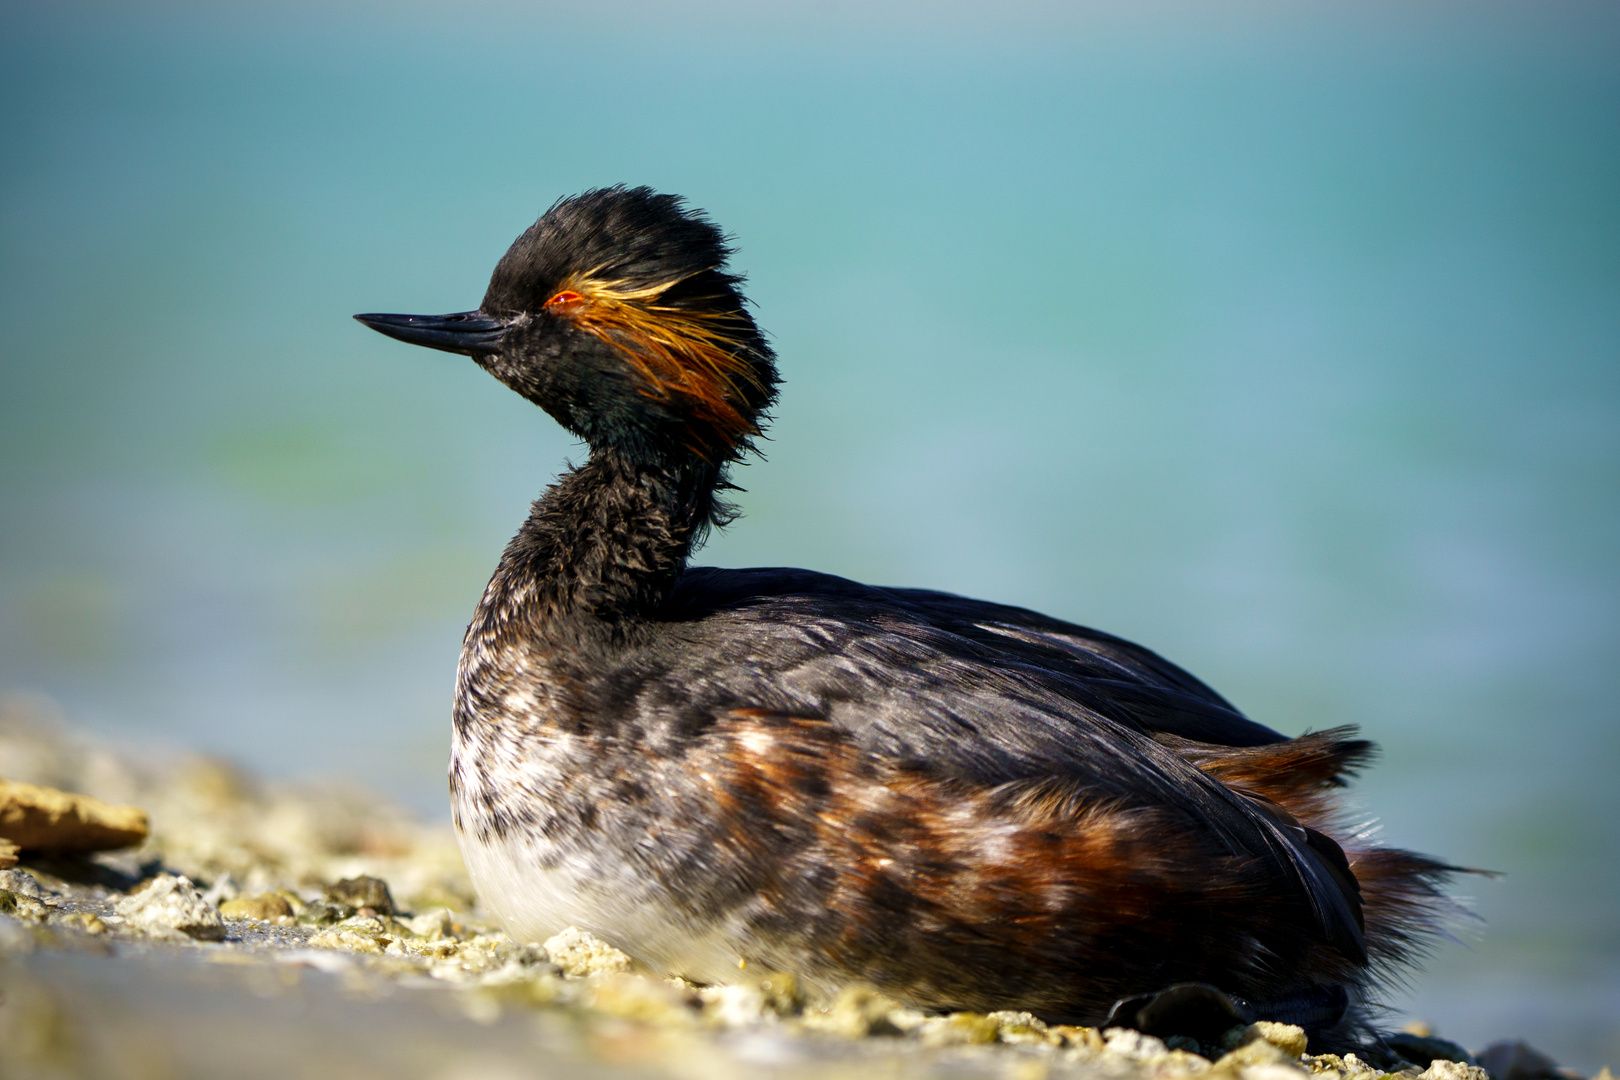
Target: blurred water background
{"points": [[1285, 342]]}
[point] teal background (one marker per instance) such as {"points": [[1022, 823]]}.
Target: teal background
{"points": [[1285, 342]]}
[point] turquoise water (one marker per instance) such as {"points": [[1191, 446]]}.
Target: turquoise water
{"points": [[1288, 346]]}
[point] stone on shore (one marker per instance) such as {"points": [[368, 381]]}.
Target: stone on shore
{"points": [[264, 906], [171, 906], [22, 907], [1443, 1069], [38, 818], [363, 892], [581, 953], [22, 882], [1288, 1038]]}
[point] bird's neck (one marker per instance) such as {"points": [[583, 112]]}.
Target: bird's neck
{"points": [[606, 543]]}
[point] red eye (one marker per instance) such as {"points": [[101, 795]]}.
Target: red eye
{"points": [[566, 299]]}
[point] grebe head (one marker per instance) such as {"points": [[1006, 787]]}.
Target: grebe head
{"points": [[616, 314]]}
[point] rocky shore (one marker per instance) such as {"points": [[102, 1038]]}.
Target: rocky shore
{"points": [[184, 919]]}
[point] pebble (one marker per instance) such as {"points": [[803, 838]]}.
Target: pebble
{"points": [[88, 921], [171, 906], [658, 1002], [1440, 1069], [1132, 1044], [21, 881], [1022, 1027], [1257, 1053], [734, 1006], [362, 892], [25, 908], [324, 913], [958, 1029], [350, 941], [1288, 1038], [581, 953], [1348, 1067], [857, 1011], [38, 818], [264, 906], [434, 925]]}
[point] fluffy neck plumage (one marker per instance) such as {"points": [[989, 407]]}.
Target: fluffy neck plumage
{"points": [[606, 543]]}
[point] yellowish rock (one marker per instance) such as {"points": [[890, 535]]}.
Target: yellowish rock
{"points": [[1258, 1060], [88, 921], [1453, 1070], [1021, 1027], [21, 881], [170, 906], [1132, 1045], [1354, 1066], [657, 1002], [959, 1029], [377, 926], [519, 985], [481, 954], [348, 941], [1080, 1038], [22, 907], [730, 1006], [37, 818], [578, 952], [1288, 1038], [363, 893], [433, 925], [856, 1012], [1324, 1064], [265, 906], [441, 949], [8, 853], [1271, 1072]]}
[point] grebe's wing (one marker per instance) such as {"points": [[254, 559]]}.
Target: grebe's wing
{"points": [[915, 679], [1099, 671], [1162, 697]]}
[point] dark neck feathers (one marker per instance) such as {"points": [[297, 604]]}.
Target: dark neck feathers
{"points": [[605, 544]]}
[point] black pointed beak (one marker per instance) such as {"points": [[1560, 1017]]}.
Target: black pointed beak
{"points": [[466, 332]]}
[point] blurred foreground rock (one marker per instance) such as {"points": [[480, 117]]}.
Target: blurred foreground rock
{"points": [[170, 906], [45, 819], [265, 930]]}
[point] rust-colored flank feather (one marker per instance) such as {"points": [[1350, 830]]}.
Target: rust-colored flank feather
{"points": [[682, 352]]}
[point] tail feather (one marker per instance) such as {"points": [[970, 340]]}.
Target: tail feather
{"points": [[1300, 775], [1403, 900]]}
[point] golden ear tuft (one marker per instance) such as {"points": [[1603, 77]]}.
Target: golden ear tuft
{"points": [[680, 353]]}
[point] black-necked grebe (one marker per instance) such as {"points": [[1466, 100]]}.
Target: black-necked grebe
{"points": [[966, 805]]}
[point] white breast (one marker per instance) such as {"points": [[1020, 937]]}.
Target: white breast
{"points": [[533, 902]]}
